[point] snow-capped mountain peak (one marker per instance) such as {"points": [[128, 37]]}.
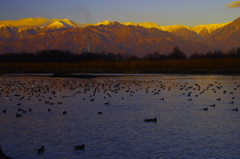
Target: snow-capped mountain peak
{"points": [[106, 22], [59, 25], [72, 23], [210, 27]]}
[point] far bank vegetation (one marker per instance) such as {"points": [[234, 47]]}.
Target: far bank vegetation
{"points": [[52, 61]]}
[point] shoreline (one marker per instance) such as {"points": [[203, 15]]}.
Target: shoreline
{"points": [[110, 74]]}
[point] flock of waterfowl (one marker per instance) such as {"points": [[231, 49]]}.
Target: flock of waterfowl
{"points": [[46, 90], [50, 91]]}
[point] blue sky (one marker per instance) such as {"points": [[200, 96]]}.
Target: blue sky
{"points": [[162, 12]]}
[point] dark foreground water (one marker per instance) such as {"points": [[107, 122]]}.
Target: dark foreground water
{"points": [[183, 129]]}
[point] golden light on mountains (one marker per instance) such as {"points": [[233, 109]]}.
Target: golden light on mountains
{"points": [[28, 22], [33, 35]]}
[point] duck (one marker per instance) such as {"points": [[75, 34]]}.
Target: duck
{"points": [[107, 103], [18, 115], [80, 147], [213, 105], [99, 112], [236, 109], [205, 108], [4, 111], [64, 112], [40, 150], [151, 120]]}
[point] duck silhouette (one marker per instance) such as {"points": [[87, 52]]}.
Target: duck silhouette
{"points": [[40, 150], [151, 120], [213, 105], [80, 147], [18, 115], [107, 103], [236, 109], [205, 108]]}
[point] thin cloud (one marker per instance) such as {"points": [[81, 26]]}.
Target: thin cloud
{"points": [[233, 5], [29, 21]]}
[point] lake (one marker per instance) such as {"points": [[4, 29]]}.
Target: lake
{"points": [[107, 115]]}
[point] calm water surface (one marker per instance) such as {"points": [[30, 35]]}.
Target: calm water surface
{"points": [[183, 129]]}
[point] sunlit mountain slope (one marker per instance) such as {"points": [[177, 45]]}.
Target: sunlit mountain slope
{"points": [[107, 36]]}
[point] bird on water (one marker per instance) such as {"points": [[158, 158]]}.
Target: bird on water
{"points": [[80, 147], [151, 120], [40, 150]]}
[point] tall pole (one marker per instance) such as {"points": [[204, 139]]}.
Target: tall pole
{"points": [[89, 44]]}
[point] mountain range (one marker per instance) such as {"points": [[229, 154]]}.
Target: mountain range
{"points": [[116, 37]]}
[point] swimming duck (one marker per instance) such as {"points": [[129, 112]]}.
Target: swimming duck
{"points": [[149, 120], [236, 109], [80, 147], [107, 103], [205, 108], [40, 150], [213, 105], [18, 115]]}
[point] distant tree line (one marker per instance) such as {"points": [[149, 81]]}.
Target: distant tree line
{"points": [[175, 54], [61, 56], [233, 53]]}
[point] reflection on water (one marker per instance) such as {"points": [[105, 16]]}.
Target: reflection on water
{"points": [[183, 129]]}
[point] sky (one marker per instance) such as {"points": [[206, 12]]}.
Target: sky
{"points": [[161, 12]]}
